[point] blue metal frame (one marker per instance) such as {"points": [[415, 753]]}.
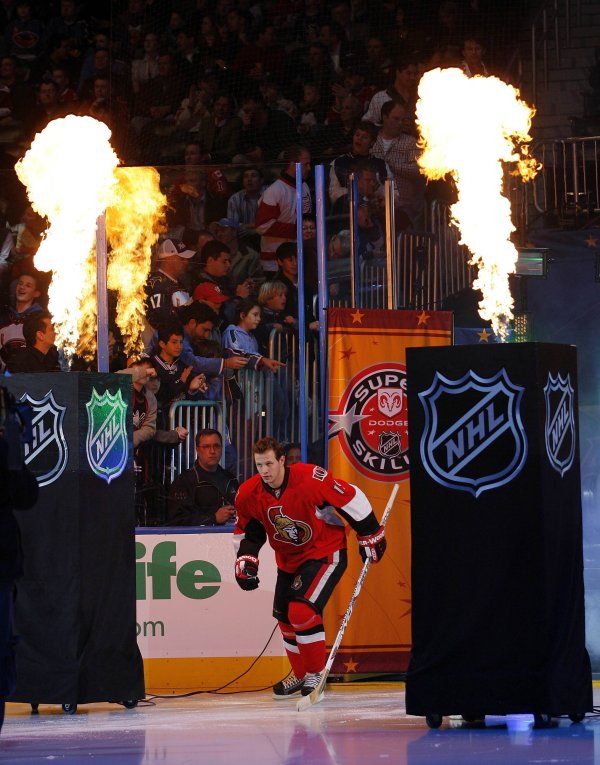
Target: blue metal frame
{"points": [[322, 300], [302, 408]]}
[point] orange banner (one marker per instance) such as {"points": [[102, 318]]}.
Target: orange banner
{"points": [[368, 446]]}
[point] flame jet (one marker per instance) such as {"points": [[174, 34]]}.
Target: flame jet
{"points": [[469, 127], [71, 175]]}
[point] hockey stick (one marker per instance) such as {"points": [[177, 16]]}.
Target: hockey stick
{"points": [[317, 694]]}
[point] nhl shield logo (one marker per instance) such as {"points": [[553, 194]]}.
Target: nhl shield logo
{"points": [[473, 438], [560, 422], [106, 440], [48, 454]]}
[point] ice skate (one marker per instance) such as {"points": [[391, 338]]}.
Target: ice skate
{"points": [[288, 688]]}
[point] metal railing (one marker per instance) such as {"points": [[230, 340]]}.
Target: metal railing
{"points": [[193, 416], [569, 181]]}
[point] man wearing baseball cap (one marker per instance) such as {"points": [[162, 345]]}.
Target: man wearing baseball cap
{"points": [[164, 290]]}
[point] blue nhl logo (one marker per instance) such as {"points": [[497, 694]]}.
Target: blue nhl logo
{"points": [[473, 438], [559, 428], [48, 453], [106, 440]]}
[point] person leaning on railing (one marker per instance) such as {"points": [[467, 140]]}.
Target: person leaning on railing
{"points": [[204, 494]]}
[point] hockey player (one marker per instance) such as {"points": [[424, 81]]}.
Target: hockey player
{"points": [[292, 508]]}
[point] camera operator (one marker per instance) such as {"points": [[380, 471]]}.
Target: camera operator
{"points": [[204, 494], [18, 491]]}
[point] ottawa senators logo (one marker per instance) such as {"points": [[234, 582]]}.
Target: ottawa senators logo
{"points": [[287, 529], [371, 422]]}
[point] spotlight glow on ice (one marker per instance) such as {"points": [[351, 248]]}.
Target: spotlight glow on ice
{"points": [[469, 127]]}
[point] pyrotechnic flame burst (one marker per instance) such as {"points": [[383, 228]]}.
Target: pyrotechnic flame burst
{"points": [[469, 127], [71, 176]]}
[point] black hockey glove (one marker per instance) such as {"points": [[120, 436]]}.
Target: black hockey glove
{"points": [[372, 546], [246, 572]]}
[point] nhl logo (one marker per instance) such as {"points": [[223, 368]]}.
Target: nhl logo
{"points": [[390, 444], [559, 428], [106, 440], [372, 424], [48, 454], [473, 439]]}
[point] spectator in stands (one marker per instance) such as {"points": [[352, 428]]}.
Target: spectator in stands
{"points": [[67, 25], [276, 215], [66, 93], [144, 401], [272, 298], [27, 293], [204, 494], [378, 62], [363, 138], [218, 133], [239, 339], [145, 68], [243, 205], [292, 454], [262, 56], [216, 268], [211, 295], [332, 36], [245, 262], [403, 91], [187, 58], [176, 380], [472, 53], [399, 150], [49, 105], [156, 106], [287, 274], [24, 35], [199, 321], [40, 353], [164, 290], [337, 135]]}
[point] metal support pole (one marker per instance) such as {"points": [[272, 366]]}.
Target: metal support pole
{"points": [[102, 294], [354, 254], [390, 240], [301, 319], [322, 301], [533, 64]]}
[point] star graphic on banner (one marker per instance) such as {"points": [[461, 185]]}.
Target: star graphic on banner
{"points": [[591, 241], [484, 335], [357, 317], [371, 432], [347, 353], [423, 318], [345, 421], [350, 665]]}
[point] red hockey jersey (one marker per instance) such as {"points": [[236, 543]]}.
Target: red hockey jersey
{"points": [[297, 518]]}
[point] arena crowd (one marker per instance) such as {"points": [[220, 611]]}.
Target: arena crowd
{"points": [[225, 97]]}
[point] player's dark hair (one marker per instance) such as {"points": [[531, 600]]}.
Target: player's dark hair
{"points": [[268, 443], [34, 323], [167, 330], [205, 432], [244, 308]]}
